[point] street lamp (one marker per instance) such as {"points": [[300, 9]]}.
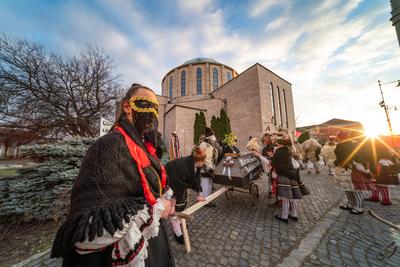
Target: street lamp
{"points": [[383, 105]]}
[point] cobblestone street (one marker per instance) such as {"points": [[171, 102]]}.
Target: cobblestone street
{"points": [[361, 240], [236, 233]]}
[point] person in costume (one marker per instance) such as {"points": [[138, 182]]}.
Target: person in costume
{"points": [[175, 149], [349, 155], [120, 197], [290, 188], [184, 173], [253, 144], [209, 143], [387, 173], [328, 153], [311, 150], [268, 146]]}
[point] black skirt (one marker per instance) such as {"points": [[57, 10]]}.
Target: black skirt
{"points": [[291, 188]]}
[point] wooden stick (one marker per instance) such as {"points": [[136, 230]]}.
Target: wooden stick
{"points": [[185, 236], [199, 205], [376, 216], [187, 214], [184, 216]]}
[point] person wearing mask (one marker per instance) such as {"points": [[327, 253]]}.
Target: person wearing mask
{"points": [[311, 150], [387, 173], [290, 188], [120, 197], [328, 153]]}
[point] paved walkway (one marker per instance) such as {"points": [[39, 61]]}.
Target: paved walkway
{"points": [[235, 233], [361, 240]]}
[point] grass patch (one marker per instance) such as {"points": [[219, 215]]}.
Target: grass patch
{"points": [[8, 172]]}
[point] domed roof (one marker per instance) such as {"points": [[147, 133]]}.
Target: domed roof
{"points": [[200, 60]]}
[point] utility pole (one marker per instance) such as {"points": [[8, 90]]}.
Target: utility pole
{"points": [[385, 107]]}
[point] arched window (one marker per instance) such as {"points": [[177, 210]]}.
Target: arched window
{"points": [[228, 76], [171, 86], [198, 80], [183, 83], [285, 108], [215, 78], [274, 119], [280, 107]]}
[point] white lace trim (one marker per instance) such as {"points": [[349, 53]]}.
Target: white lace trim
{"points": [[386, 162], [130, 235]]}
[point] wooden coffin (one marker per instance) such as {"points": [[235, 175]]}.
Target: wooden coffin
{"points": [[246, 168]]}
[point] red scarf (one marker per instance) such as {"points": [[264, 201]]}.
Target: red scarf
{"points": [[142, 161]]}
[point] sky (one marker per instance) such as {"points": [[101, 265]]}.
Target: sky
{"points": [[333, 52]]}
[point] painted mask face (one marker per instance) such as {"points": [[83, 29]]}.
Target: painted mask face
{"points": [[145, 117]]}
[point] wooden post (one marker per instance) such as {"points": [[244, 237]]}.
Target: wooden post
{"points": [[185, 236]]}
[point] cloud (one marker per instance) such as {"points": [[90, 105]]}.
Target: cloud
{"points": [[259, 7], [279, 22], [333, 55]]}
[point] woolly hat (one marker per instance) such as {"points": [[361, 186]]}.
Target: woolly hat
{"points": [[282, 138], [208, 132], [253, 144]]}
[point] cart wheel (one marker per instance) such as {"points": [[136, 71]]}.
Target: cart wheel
{"points": [[229, 192]]}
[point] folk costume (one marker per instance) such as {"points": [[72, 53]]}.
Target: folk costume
{"points": [[387, 173], [328, 153], [182, 175], [360, 179], [174, 149], [210, 145], [290, 187], [114, 217], [311, 150]]}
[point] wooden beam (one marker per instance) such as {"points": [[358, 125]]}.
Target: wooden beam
{"points": [[199, 205], [187, 214], [376, 216], [185, 236], [184, 216]]}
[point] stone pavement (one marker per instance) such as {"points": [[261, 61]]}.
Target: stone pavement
{"points": [[235, 233], [356, 240]]}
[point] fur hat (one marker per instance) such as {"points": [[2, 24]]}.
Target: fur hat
{"points": [[253, 144], [208, 132], [282, 138]]}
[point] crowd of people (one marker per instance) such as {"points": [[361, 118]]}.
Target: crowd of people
{"points": [[123, 195]]}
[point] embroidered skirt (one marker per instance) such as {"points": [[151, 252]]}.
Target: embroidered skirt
{"points": [[288, 188]]}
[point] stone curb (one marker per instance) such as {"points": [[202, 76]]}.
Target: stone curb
{"points": [[311, 240], [28, 261]]}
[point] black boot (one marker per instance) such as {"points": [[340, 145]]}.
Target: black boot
{"points": [[179, 239]]}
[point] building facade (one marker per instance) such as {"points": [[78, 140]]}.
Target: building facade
{"points": [[255, 100]]}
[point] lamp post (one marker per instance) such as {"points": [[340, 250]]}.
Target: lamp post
{"points": [[384, 106]]}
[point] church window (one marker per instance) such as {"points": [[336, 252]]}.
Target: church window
{"points": [[280, 107], [271, 87], [285, 108], [171, 86], [183, 83], [199, 81], [228, 76], [215, 78]]}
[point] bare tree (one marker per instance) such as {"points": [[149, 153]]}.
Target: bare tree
{"points": [[47, 95]]}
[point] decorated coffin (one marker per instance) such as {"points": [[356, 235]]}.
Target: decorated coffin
{"points": [[238, 170]]}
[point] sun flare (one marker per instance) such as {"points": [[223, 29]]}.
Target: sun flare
{"points": [[372, 131]]}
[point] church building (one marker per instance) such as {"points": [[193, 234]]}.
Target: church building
{"points": [[255, 100]]}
